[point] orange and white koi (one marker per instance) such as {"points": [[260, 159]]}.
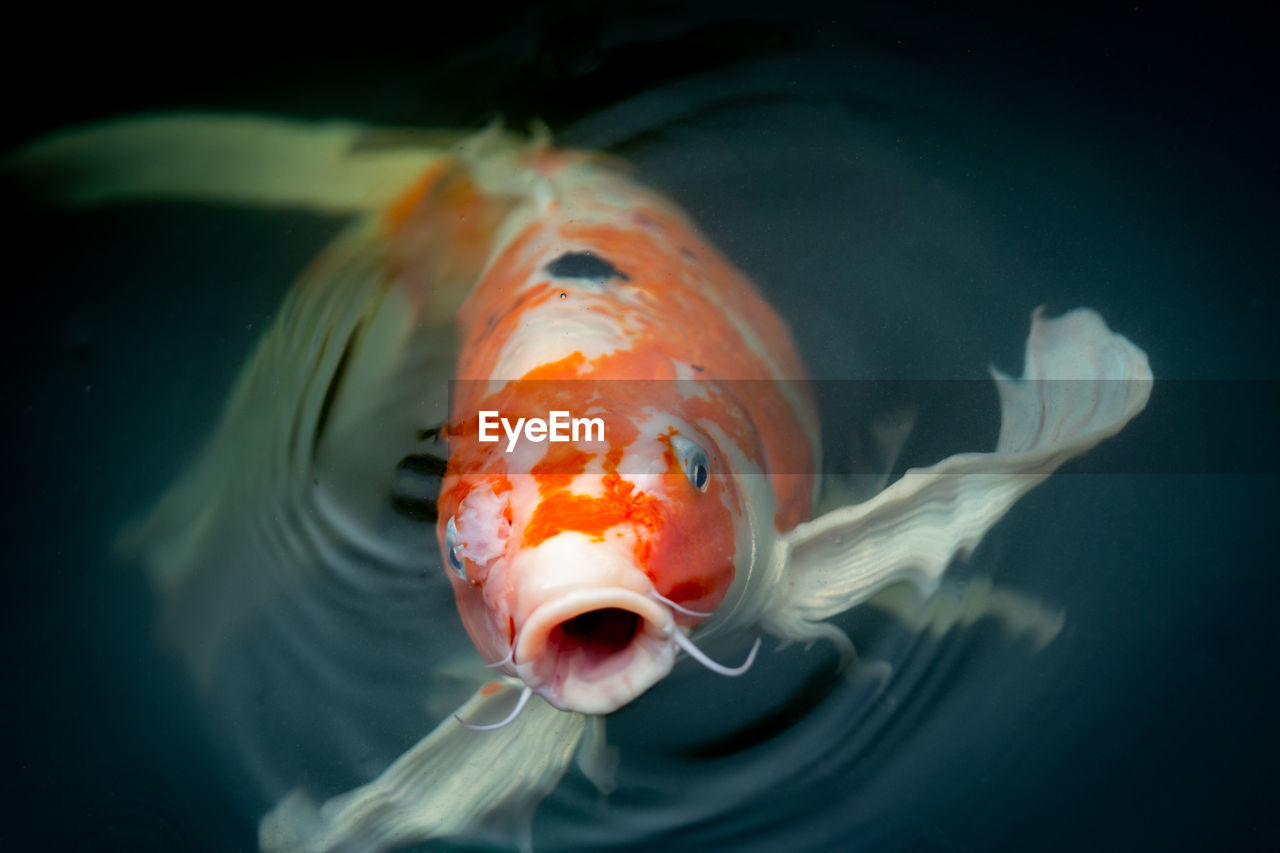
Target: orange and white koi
{"points": [[580, 568], [582, 573]]}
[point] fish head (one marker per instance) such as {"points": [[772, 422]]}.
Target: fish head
{"points": [[576, 564]]}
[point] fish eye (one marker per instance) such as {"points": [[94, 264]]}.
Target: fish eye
{"points": [[693, 459], [456, 565]]}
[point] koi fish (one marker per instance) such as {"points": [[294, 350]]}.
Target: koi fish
{"points": [[541, 281]]}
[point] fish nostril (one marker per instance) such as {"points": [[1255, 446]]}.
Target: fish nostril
{"points": [[600, 633]]}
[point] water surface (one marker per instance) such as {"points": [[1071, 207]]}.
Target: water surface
{"points": [[906, 186]]}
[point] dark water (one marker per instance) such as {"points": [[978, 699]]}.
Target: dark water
{"points": [[906, 184]]}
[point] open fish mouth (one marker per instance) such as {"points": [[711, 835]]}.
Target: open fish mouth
{"points": [[594, 650]]}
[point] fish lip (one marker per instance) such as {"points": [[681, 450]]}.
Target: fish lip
{"points": [[574, 679]]}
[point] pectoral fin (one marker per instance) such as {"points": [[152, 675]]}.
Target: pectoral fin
{"points": [[454, 782], [872, 461], [955, 605], [318, 476], [1081, 384]]}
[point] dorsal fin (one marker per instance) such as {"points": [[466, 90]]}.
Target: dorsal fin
{"points": [[229, 158]]}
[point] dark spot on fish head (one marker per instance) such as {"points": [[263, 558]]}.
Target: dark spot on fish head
{"points": [[584, 265]]}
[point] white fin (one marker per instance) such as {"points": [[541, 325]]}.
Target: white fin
{"points": [[961, 605], [914, 528], [297, 488], [294, 487], [596, 759], [332, 166], [873, 461], [452, 679], [453, 783]]}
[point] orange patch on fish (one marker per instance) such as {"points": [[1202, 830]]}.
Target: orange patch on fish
{"points": [[564, 510]]}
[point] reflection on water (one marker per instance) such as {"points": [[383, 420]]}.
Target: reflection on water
{"points": [[906, 192]]}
